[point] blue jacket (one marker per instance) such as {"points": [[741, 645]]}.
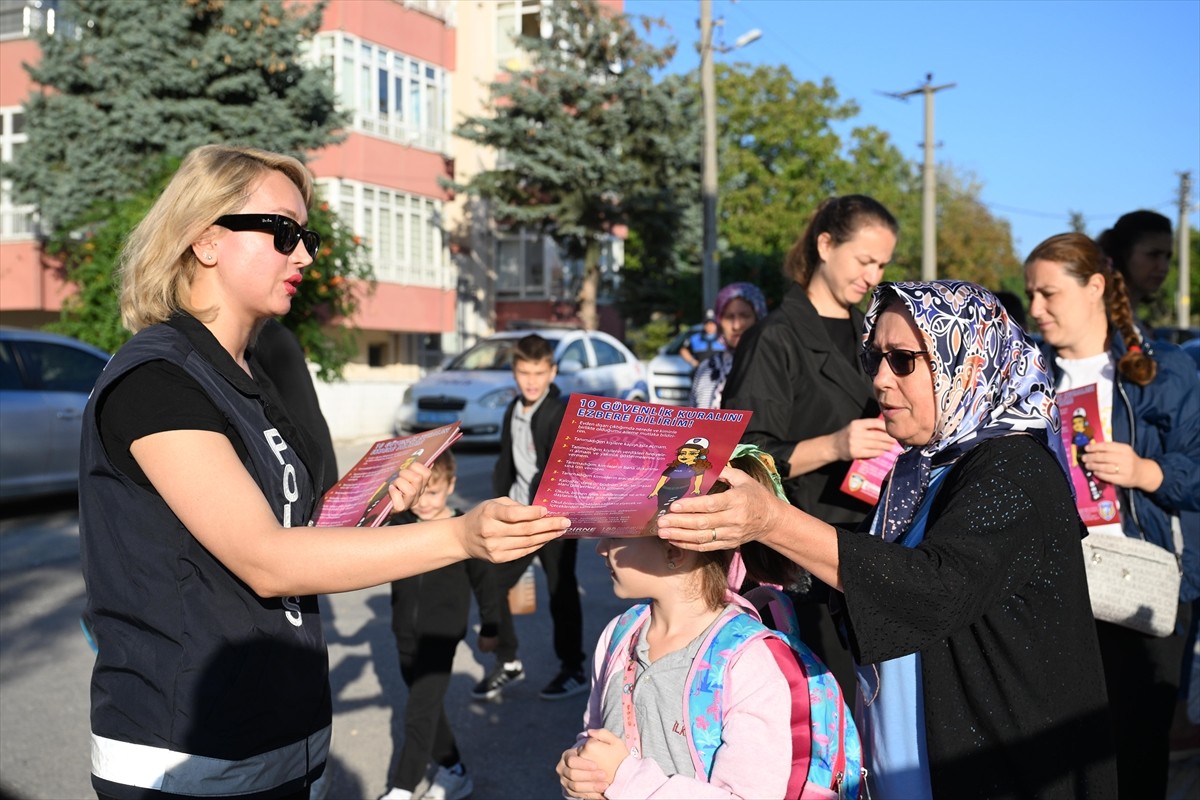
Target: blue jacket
{"points": [[1161, 421]]}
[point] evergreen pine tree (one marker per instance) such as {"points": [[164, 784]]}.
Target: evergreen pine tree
{"points": [[588, 140], [124, 88]]}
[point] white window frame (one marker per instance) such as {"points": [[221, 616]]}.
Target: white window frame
{"points": [[386, 219], [419, 115], [17, 222]]}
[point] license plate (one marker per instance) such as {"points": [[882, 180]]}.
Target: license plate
{"points": [[436, 417]]}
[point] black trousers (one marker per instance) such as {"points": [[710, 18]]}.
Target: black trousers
{"points": [[427, 733], [1142, 676], [566, 613]]}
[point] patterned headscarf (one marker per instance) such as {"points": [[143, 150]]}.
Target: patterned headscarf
{"points": [[746, 291], [988, 380]]}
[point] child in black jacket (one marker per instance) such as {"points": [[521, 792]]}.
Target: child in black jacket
{"points": [[429, 619]]}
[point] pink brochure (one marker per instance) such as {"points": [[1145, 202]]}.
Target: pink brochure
{"points": [[1080, 410], [617, 465], [865, 477], [361, 498]]}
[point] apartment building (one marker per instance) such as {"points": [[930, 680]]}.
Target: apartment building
{"points": [[406, 71]]}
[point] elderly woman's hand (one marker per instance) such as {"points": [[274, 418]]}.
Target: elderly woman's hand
{"points": [[748, 511]]}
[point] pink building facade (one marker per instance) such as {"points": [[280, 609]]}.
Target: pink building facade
{"points": [[406, 71]]}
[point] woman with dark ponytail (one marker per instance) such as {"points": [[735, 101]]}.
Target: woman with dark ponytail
{"points": [[1149, 398], [799, 372]]}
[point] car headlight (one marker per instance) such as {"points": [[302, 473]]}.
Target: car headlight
{"points": [[498, 398]]}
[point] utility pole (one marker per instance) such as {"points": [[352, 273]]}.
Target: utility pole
{"points": [[708, 165], [1183, 298], [708, 169], [928, 178]]}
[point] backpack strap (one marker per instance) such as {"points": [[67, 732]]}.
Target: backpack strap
{"points": [[836, 752], [704, 702]]}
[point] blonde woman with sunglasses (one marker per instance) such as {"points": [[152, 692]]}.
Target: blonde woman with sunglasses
{"points": [[211, 677]]}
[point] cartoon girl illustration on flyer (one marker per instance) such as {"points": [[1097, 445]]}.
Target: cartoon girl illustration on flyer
{"points": [[1081, 436], [685, 471]]}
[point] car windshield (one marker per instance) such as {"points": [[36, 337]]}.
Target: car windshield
{"points": [[673, 347], [490, 354]]}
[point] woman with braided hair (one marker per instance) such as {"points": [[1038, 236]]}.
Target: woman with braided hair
{"points": [[1149, 399]]}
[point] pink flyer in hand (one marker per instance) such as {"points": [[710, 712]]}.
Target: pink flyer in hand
{"points": [[361, 498], [617, 465], [1080, 410], [865, 477]]}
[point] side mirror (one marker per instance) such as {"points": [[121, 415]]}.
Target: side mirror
{"points": [[569, 366]]}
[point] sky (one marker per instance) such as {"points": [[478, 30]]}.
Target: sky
{"points": [[1058, 105]]}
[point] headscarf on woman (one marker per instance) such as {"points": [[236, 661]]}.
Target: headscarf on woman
{"points": [[988, 379], [708, 383], [746, 291]]}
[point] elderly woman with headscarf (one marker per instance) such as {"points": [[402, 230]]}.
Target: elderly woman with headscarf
{"points": [[963, 597], [739, 306]]}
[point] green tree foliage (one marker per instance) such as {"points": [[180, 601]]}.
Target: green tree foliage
{"points": [[126, 86], [973, 245], [588, 141]]}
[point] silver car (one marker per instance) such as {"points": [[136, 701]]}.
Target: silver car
{"points": [[478, 385], [45, 380]]}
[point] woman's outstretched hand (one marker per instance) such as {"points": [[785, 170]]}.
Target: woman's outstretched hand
{"points": [[501, 530]]}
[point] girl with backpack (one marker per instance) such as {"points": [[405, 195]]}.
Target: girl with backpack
{"points": [[692, 695]]}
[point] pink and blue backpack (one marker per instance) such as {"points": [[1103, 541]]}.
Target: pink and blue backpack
{"points": [[833, 766]]}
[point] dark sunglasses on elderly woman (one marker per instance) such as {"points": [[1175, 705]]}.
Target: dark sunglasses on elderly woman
{"points": [[286, 230], [901, 362]]}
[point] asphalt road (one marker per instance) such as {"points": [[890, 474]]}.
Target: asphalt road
{"points": [[510, 747]]}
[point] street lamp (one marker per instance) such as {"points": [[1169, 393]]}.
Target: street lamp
{"points": [[708, 167]]}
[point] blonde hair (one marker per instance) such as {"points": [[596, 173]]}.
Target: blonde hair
{"points": [[157, 264], [443, 469]]}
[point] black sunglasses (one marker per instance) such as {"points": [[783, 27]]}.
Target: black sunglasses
{"points": [[286, 230], [901, 362]]}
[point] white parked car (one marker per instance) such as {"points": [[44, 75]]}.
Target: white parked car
{"points": [[475, 387], [670, 377]]}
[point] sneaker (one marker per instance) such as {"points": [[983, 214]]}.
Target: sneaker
{"points": [[567, 683], [450, 784], [396, 794], [495, 681]]}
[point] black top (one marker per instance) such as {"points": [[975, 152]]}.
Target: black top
{"points": [[800, 384], [544, 426], [436, 604], [995, 600]]}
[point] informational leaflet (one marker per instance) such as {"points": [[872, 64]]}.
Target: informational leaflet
{"points": [[865, 477], [618, 465], [361, 498], [1080, 410]]}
